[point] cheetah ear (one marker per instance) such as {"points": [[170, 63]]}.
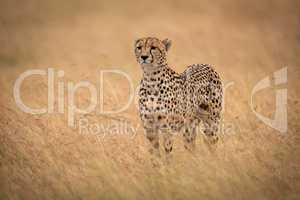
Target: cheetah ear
{"points": [[167, 43]]}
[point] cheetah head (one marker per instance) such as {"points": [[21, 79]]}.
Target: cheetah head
{"points": [[151, 52]]}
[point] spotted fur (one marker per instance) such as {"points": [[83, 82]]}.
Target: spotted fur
{"points": [[171, 102]]}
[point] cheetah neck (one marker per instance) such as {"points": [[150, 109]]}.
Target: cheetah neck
{"points": [[163, 72]]}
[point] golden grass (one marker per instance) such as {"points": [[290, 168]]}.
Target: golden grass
{"points": [[42, 158]]}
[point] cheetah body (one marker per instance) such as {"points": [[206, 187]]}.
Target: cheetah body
{"points": [[171, 102]]}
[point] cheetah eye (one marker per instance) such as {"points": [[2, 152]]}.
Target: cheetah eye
{"points": [[139, 48], [153, 48]]}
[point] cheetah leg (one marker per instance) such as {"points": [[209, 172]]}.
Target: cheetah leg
{"points": [[211, 128], [153, 137], [168, 146], [168, 142], [189, 136]]}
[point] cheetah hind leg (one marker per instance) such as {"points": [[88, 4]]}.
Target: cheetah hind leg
{"points": [[211, 124], [211, 128]]}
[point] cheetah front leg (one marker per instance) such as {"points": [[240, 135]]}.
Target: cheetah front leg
{"points": [[189, 136], [168, 142], [153, 138], [168, 145]]}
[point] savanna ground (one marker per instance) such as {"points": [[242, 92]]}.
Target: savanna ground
{"points": [[43, 158]]}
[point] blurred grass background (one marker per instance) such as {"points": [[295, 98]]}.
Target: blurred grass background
{"points": [[42, 158]]}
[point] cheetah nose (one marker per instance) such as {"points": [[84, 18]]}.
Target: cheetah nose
{"points": [[144, 57]]}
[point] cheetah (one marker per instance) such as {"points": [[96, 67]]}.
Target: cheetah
{"points": [[172, 102]]}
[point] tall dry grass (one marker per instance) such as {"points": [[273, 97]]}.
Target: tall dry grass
{"points": [[42, 158]]}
